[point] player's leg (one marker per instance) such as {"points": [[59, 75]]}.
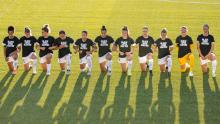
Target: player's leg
{"points": [[150, 61], [33, 57], [68, 63], [26, 63], [83, 64], [213, 60], [191, 63], [142, 61], [10, 63], [162, 64], [204, 65], [130, 62], [62, 63], [48, 58], [169, 63], [182, 62], [89, 62], [109, 62], [123, 63], [102, 63], [14, 56]]}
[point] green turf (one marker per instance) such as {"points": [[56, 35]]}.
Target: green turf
{"points": [[77, 99]]}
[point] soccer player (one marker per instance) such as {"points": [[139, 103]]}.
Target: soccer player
{"points": [[12, 47], [28, 53], [145, 54], [104, 42], [125, 44], [205, 48], [164, 46], [185, 47], [64, 55], [83, 46], [45, 44]]}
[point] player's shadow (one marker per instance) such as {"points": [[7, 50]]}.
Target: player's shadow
{"points": [[211, 100], [4, 84], [98, 101], [29, 112], [163, 110], [188, 107], [143, 100], [74, 111], [16, 94], [120, 112]]}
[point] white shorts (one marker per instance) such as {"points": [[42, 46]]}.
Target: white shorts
{"points": [[143, 59], [44, 59], [163, 60], [28, 59], [205, 61], [10, 59], [103, 58], [122, 60], [64, 59], [84, 60]]}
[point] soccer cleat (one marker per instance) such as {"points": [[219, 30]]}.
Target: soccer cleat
{"points": [[191, 74], [213, 74], [129, 72], [35, 72], [109, 73], [89, 73], [63, 70], [48, 74], [151, 73], [68, 71], [169, 75]]}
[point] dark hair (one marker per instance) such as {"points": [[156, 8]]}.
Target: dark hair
{"points": [[62, 32], [206, 25], [11, 28], [85, 32], [27, 30], [164, 30], [103, 28], [125, 28], [46, 28]]}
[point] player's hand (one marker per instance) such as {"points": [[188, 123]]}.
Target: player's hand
{"points": [[50, 48], [42, 48], [62, 46], [121, 53], [202, 57], [88, 52]]}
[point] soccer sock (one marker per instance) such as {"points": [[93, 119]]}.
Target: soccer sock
{"points": [[130, 64], [48, 68], [151, 63], [191, 62], [109, 65], [15, 64], [89, 60], [34, 65], [169, 64], [68, 62], [214, 65]]}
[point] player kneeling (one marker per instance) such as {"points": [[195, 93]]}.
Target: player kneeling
{"points": [[145, 52], [125, 43], [28, 53], [165, 46], [83, 46], [64, 55], [12, 47], [45, 44], [185, 47], [105, 57], [205, 47]]}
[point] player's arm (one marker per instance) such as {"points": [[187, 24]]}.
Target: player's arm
{"points": [[4, 51], [76, 47], [171, 46], [198, 49], [114, 46], [94, 47]]}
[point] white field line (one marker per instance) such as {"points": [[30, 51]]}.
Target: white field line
{"points": [[191, 2]]}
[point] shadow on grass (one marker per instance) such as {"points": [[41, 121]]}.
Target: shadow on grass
{"points": [[188, 108], [163, 110], [120, 112], [16, 94], [74, 111], [4, 84], [98, 101], [4, 79], [29, 112], [211, 100], [143, 100]]}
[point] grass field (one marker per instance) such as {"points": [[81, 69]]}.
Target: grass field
{"points": [[140, 99]]}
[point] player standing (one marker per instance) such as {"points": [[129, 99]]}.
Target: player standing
{"points": [[185, 47], [145, 54], [165, 46], [104, 42], [83, 46], [64, 54], [28, 53], [45, 44], [125, 44], [12, 47], [205, 48]]}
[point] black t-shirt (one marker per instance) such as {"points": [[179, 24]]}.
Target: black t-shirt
{"points": [[144, 45], [45, 42], [104, 44], [27, 45], [163, 47], [66, 42], [84, 46], [205, 43], [124, 45], [10, 44], [183, 43]]}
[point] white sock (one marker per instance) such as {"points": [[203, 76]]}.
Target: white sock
{"points": [[151, 63], [15, 64], [34, 65], [48, 68], [169, 64], [214, 65], [130, 64], [109, 65], [68, 62], [89, 62]]}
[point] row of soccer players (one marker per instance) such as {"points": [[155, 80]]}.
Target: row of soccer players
{"points": [[85, 46]]}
